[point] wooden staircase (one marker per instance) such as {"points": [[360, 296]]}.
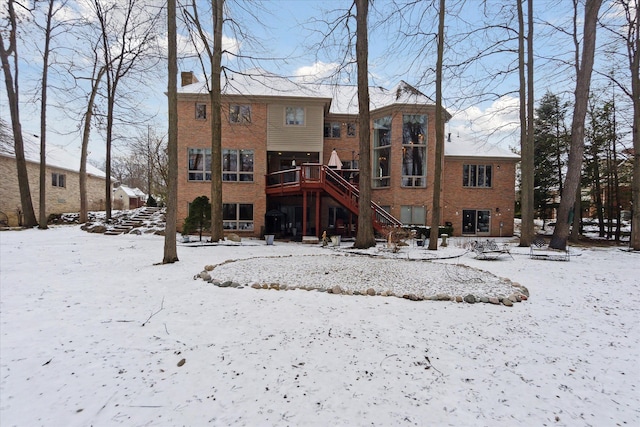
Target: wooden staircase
{"points": [[321, 177]]}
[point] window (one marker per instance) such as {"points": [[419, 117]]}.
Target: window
{"points": [[414, 150], [58, 180], [381, 151], [201, 111], [294, 116], [199, 164], [332, 130], [413, 215], [237, 165], [237, 216], [239, 113], [476, 175], [351, 129], [475, 221]]}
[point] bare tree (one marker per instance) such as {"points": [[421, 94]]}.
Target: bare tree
{"points": [[49, 33], [170, 250], [584, 69], [10, 26], [126, 32], [437, 174], [625, 35], [525, 73], [364, 237]]}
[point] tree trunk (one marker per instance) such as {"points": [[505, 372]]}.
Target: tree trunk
{"points": [[170, 249], [526, 144], [634, 64], [576, 151], [437, 173], [85, 145], [26, 203], [42, 206], [217, 230], [364, 237]]}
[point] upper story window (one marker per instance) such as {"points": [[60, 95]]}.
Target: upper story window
{"points": [[351, 129], [414, 150], [239, 113], [58, 180], [381, 151], [237, 165], [332, 130], [476, 175], [199, 164], [294, 116], [201, 111]]}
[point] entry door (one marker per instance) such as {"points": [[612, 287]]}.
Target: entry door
{"points": [[476, 221]]}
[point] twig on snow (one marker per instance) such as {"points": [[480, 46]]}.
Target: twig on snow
{"points": [[391, 355], [153, 314]]}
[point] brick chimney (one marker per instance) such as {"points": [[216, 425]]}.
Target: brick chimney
{"points": [[187, 78]]}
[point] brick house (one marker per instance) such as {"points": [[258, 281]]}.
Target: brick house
{"points": [[278, 138], [62, 178]]}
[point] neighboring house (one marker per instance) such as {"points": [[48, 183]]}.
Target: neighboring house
{"points": [[62, 179], [128, 198], [291, 163]]}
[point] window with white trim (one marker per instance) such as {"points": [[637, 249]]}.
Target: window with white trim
{"points": [[332, 130], [199, 164], [58, 180], [476, 176], [294, 116], [239, 113], [237, 165], [413, 215], [201, 111], [237, 216]]}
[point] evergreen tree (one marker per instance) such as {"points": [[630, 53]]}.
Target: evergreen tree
{"points": [[550, 152], [199, 216]]}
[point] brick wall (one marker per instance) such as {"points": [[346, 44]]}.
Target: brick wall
{"points": [[194, 133], [59, 199]]}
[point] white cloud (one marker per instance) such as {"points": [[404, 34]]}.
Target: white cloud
{"points": [[316, 72], [497, 124]]}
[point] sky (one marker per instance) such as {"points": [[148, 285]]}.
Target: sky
{"points": [[85, 344], [289, 30]]}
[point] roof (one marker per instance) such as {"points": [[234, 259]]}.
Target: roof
{"points": [[343, 99], [57, 156], [131, 192], [457, 148]]}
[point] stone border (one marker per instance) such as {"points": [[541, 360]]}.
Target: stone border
{"points": [[521, 293]]}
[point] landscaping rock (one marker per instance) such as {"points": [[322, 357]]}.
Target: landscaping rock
{"points": [[371, 292], [471, 299], [336, 290], [507, 302], [494, 300]]}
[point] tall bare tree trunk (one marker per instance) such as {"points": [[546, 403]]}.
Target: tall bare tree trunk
{"points": [[364, 237], [526, 127], [633, 47], [170, 249], [437, 173], [85, 144], [26, 203], [576, 151], [42, 205], [217, 230]]}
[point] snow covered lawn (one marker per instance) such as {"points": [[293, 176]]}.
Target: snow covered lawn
{"points": [[92, 332]]}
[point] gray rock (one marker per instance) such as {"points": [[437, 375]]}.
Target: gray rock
{"points": [[443, 297], [507, 302], [226, 284], [205, 276], [336, 290], [371, 292], [470, 299], [494, 300], [484, 299], [208, 267]]}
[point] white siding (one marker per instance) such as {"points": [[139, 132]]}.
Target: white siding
{"points": [[295, 138]]}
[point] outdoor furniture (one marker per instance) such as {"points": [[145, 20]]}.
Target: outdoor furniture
{"points": [[541, 250], [490, 250]]}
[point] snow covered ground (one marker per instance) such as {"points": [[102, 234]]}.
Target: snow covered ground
{"points": [[93, 332]]}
